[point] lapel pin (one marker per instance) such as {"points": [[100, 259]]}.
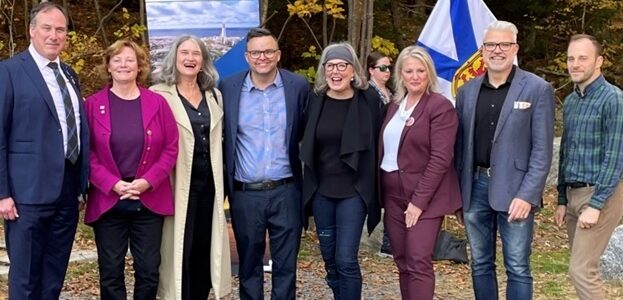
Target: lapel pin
{"points": [[410, 122], [102, 109]]}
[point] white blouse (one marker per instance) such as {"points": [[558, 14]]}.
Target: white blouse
{"points": [[392, 134]]}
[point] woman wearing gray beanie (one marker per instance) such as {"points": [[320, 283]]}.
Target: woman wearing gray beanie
{"points": [[339, 154]]}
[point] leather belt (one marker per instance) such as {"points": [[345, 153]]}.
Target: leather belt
{"points": [[260, 186], [577, 185], [483, 171]]}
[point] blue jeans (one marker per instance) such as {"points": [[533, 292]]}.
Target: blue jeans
{"points": [[338, 224], [481, 224]]}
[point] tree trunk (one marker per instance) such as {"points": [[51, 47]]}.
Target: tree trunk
{"points": [[263, 11], [396, 17], [143, 20], [360, 25]]}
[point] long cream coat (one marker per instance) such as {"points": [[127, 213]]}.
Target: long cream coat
{"points": [[170, 286]]}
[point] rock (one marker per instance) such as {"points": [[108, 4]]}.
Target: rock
{"points": [[611, 266], [552, 177]]}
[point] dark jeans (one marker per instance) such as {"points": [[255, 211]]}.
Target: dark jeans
{"points": [[277, 211], [339, 223], [481, 224], [39, 243], [143, 230]]}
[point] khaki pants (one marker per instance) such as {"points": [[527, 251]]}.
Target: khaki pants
{"points": [[587, 245]]}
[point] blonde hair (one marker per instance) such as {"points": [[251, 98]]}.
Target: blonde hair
{"points": [[422, 55], [359, 82]]}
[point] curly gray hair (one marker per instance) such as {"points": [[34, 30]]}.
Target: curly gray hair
{"points": [[168, 72]]}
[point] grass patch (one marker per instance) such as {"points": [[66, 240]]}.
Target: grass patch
{"points": [[554, 290], [556, 262]]}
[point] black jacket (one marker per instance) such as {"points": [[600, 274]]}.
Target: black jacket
{"points": [[358, 149]]}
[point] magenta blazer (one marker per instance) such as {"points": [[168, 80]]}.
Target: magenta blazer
{"points": [[158, 158], [425, 156]]}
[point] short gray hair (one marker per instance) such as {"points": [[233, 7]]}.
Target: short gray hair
{"points": [[168, 73], [503, 26], [45, 7], [419, 53], [320, 85]]}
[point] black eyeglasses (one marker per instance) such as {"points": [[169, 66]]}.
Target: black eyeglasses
{"points": [[504, 46], [269, 53], [339, 66], [384, 68]]}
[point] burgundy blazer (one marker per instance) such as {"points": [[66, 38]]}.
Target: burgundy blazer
{"points": [[425, 156], [157, 161]]}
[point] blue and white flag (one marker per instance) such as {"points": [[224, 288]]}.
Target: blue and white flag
{"points": [[452, 35]]}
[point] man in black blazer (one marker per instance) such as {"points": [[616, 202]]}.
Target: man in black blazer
{"points": [[263, 126], [43, 158]]}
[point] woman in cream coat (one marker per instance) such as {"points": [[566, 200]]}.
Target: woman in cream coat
{"points": [[195, 247]]}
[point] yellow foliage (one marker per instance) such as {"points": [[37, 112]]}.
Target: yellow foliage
{"points": [[309, 74], [79, 45], [304, 8], [307, 8], [335, 8], [386, 47]]}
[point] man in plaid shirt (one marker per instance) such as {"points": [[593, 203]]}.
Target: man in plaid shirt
{"points": [[590, 192]]}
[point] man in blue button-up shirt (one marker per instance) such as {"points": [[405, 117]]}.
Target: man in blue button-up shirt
{"points": [[263, 126]]}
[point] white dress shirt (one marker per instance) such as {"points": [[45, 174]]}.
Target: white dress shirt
{"points": [[57, 96]]}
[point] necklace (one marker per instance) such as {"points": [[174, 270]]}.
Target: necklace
{"points": [[403, 112]]}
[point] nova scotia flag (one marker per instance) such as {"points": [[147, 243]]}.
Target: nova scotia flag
{"points": [[452, 35]]}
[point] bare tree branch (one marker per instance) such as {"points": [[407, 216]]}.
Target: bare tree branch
{"points": [[101, 26]]}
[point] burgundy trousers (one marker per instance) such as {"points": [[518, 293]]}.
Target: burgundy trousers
{"points": [[412, 247]]}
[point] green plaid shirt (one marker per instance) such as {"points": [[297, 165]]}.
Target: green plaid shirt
{"points": [[591, 149]]}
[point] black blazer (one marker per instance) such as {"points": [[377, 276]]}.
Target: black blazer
{"points": [[358, 149]]}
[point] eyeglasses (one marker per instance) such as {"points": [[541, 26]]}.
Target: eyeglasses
{"points": [[383, 68], [504, 46], [269, 53], [339, 66]]}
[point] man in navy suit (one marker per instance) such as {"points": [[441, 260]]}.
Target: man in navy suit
{"points": [[503, 154], [43, 158], [263, 126]]}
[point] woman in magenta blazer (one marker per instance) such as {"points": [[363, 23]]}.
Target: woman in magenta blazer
{"points": [[133, 150], [418, 180]]}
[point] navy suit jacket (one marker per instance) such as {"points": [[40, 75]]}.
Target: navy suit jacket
{"points": [[522, 143], [32, 158], [295, 89]]}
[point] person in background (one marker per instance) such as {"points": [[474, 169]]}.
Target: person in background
{"points": [[503, 155], [379, 72], [195, 242], [590, 191], [133, 150], [418, 181], [263, 127], [339, 156], [44, 144]]}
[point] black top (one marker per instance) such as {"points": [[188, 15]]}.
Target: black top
{"points": [[126, 137], [200, 122], [488, 107], [335, 178]]}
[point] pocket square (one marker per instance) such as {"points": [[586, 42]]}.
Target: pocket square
{"points": [[521, 105]]}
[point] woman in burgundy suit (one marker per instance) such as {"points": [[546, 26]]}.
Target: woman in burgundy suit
{"points": [[418, 180], [133, 150]]}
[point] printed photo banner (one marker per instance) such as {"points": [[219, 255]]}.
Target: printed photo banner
{"points": [[221, 24]]}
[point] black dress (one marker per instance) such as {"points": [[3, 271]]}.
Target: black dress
{"points": [[196, 282]]}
